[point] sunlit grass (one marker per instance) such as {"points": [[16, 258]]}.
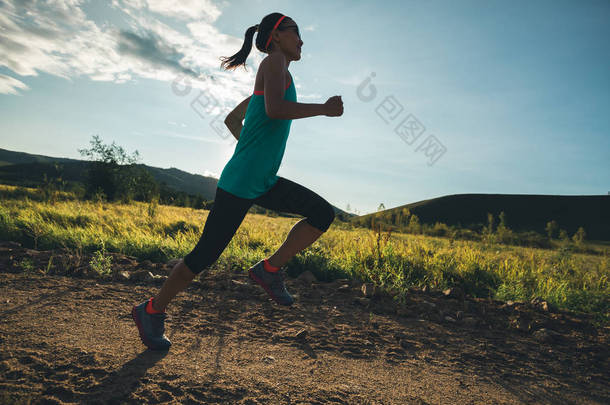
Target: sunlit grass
{"points": [[398, 261]]}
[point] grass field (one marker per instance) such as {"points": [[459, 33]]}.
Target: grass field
{"points": [[395, 261]]}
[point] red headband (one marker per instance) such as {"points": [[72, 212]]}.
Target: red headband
{"points": [[274, 27]]}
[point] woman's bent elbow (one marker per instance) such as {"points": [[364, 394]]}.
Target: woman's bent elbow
{"points": [[271, 114]]}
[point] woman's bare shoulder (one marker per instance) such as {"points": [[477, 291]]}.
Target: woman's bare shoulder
{"points": [[269, 68], [273, 62]]}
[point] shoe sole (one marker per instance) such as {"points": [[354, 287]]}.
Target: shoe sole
{"points": [[136, 319], [266, 288]]}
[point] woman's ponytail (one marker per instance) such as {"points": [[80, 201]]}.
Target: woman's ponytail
{"points": [[263, 31], [232, 62]]}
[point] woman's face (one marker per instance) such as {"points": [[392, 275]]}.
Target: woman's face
{"points": [[290, 39]]}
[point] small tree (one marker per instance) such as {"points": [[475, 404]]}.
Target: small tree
{"points": [[490, 224], [52, 183], [115, 173], [579, 236], [414, 225], [563, 235], [381, 207], [503, 231], [405, 215], [551, 229]]}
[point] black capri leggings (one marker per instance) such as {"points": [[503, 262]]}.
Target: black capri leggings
{"points": [[229, 210]]}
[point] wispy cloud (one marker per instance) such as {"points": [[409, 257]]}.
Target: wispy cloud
{"points": [[60, 39], [10, 85], [153, 49]]}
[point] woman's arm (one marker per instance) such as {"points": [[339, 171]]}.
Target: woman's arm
{"points": [[235, 118], [274, 73]]}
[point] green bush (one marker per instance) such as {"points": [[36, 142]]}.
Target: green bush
{"points": [[101, 263]]}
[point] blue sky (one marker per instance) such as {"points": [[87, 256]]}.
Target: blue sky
{"points": [[491, 96]]}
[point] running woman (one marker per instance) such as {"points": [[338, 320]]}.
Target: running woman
{"points": [[249, 177]]}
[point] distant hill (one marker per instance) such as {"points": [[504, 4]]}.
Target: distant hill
{"points": [[8, 157], [28, 168], [19, 168], [524, 212]]}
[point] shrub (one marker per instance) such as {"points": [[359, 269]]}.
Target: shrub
{"points": [[101, 263], [579, 236]]}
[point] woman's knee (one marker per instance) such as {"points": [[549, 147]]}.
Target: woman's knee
{"points": [[323, 218], [198, 261]]}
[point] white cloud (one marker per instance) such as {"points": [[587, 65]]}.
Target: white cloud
{"points": [[9, 85], [58, 38], [186, 9], [208, 173]]}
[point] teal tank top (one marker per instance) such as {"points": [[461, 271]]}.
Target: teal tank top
{"points": [[251, 171]]}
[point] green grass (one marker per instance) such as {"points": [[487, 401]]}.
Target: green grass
{"points": [[562, 277]]}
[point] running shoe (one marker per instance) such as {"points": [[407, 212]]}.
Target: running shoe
{"points": [[272, 282], [151, 327]]}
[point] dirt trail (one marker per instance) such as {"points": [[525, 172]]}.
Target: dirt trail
{"points": [[66, 339]]}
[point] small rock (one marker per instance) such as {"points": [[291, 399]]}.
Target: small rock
{"points": [[121, 276], [449, 319], [454, 292], [269, 359], [546, 335], [344, 288], [307, 277], [368, 290], [142, 275]]}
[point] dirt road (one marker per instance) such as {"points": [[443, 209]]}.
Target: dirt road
{"points": [[66, 339]]}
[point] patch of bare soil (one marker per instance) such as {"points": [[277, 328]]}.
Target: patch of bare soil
{"points": [[67, 337]]}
